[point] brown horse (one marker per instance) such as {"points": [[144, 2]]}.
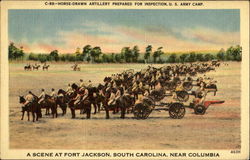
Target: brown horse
{"points": [[62, 101], [27, 68], [49, 103], [84, 105], [32, 107], [45, 67], [36, 67], [123, 103]]}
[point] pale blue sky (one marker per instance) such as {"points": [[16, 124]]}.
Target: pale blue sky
{"points": [[38, 29]]}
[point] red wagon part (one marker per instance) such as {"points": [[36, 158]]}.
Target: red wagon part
{"points": [[208, 103], [200, 109]]}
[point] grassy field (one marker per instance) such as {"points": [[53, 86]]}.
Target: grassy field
{"points": [[219, 128]]}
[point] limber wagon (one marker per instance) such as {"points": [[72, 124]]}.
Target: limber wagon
{"points": [[176, 109]]}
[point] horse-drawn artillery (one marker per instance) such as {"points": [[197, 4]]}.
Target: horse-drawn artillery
{"points": [[176, 109], [155, 84]]}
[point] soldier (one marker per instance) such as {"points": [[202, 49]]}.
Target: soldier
{"points": [[53, 94], [109, 86], [134, 87], [78, 99], [112, 97], [118, 94], [69, 90], [41, 97], [82, 84], [29, 98], [74, 66], [200, 98], [85, 93], [89, 84], [200, 89]]}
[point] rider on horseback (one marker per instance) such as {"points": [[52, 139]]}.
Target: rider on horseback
{"points": [[89, 84], [41, 97], [112, 97], [53, 94], [81, 95], [29, 98], [69, 90], [82, 84]]}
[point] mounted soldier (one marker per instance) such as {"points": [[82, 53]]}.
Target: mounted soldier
{"points": [[53, 94], [29, 98], [81, 95], [89, 84], [112, 97], [69, 90], [82, 84], [41, 97]]}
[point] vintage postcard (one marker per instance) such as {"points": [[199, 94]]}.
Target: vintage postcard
{"points": [[124, 79]]}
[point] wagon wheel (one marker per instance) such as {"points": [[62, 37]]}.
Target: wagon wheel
{"points": [[158, 97], [182, 96], [177, 111], [200, 109], [187, 86], [141, 111]]}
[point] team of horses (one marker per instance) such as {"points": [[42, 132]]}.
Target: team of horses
{"points": [[30, 67], [168, 77]]}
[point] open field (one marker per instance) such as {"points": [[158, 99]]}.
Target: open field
{"points": [[219, 128]]}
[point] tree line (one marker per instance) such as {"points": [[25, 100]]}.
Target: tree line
{"points": [[128, 55]]}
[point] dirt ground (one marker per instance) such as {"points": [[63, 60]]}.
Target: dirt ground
{"points": [[219, 128]]}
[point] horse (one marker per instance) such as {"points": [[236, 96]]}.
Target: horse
{"points": [[36, 67], [32, 107], [97, 100], [45, 67], [76, 68], [49, 103], [62, 101], [123, 103], [84, 105], [27, 68]]}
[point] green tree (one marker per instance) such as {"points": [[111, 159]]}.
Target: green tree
{"points": [[127, 52], [95, 53], [221, 55], [33, 57], [172, 58], [135, 53], [86, 52], [200, 57], [237, 52], [183, 58], [43, 57], [229, 53], [191, 57], [148, 53], [157, 55], [208, 57], [54, 55], [14, 52], [118, 58]]}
